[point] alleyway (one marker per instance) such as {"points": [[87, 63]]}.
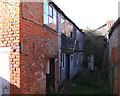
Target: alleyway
{"points": [[85, 83]]}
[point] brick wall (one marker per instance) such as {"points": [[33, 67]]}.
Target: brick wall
{"points": [[23, 22], [45, 42], [113, 56], [118, 29], [9, 37]]}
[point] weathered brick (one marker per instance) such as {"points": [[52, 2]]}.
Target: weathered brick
{"points": [[29, 63]]}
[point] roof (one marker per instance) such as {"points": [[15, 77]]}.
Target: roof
{"points": [[60, 11], [114, 26], [99, 27]]}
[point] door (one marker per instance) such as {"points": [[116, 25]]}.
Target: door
{"points": [[52, 73], [67, 66], [50, 78], [4, 71]]}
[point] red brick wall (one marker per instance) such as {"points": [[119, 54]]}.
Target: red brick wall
{"points": [[114, 59], [33, 65], [9, 37], [113, 55], [28, 69], [118, 29]]}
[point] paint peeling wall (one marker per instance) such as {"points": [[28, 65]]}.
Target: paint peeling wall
{"points": [[76, 59], [76, 63]]}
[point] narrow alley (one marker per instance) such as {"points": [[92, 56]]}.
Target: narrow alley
{"points": [[45, 50], [85, 82]]}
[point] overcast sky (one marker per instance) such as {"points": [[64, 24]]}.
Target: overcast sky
{"points": [[89, 13]]}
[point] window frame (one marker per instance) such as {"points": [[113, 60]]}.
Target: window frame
{"points": [[52, 16], [49, 10], [64, 25], [71, 31]]}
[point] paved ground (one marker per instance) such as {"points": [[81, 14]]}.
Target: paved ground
{"points": [[85, 83]]}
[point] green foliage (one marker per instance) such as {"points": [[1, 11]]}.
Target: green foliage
{"points": [[85, 84]]}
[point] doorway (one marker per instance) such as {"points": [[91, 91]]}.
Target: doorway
{"points": [[50, 78], [67, 66]]}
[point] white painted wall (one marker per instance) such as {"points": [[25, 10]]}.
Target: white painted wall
{"points": [[4, 70], [76, 63]]}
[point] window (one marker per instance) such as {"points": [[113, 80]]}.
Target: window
{"points": [[66, 27], [71, 34], [67, 31], [50, 11], [63, 25], [77, 35], [50, 16], [70, 30], [63, 60], [45, 12], [54, 19]]}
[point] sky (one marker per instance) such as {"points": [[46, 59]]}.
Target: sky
{"points": [[89, 13]]}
